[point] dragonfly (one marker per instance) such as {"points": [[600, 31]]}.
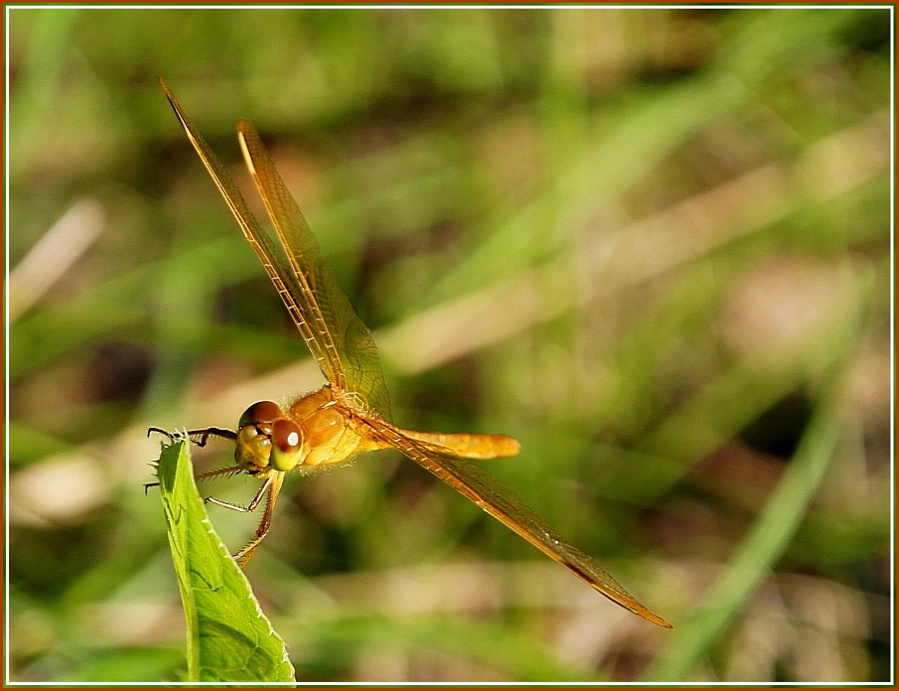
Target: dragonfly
{"points": [[350, 414]]}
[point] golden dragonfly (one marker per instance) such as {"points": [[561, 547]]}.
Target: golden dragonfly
{"points": [[350, 414]]}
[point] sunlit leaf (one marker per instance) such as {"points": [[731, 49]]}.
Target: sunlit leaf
{"points": [[228, 636]]}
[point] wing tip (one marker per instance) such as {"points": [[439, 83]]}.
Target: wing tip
{"points": [[245, 128], [627, 601], [647, 614], [656, 619]]}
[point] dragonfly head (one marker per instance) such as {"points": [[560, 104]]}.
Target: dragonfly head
{"points": [[267, 438]]}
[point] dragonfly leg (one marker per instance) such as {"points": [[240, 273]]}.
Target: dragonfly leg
{"points": [[270, 488], [197, 436], [201, 436], [205, 476], [254, 503], [230, 470], [161, 431]]}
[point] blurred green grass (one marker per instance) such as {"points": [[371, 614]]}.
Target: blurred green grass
{"points": [[649, 243]]}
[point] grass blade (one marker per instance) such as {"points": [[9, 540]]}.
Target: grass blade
{"points": [[775, 528]]}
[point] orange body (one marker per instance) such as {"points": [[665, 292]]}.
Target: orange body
{"points": [[334, 430]]}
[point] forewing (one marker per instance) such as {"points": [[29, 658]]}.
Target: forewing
{"points": [[337, 338], [336, 335], [501, 503]]}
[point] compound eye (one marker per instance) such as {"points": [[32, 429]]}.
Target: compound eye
{"points": [[263, 411], [253, 446], [287, 445]]}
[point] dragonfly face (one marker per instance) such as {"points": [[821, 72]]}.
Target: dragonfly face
{"points": [[315, 430], [351, 413], [267, 440]]}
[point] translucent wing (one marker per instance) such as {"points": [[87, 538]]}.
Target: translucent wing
{"points": [[337, 338], [501, 503]]}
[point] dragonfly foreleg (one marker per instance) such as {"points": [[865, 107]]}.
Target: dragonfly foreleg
{"points": [[201, 436], [197, 436]]}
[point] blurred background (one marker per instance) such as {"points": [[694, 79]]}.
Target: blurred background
{"points": [[652, 244]]}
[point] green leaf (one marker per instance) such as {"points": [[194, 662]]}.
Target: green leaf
{"points": [[228, 637]]}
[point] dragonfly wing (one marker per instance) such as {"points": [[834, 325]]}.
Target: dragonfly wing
{"points": [[336, 335], [263, 244], [501, 503], [337, 338]]}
